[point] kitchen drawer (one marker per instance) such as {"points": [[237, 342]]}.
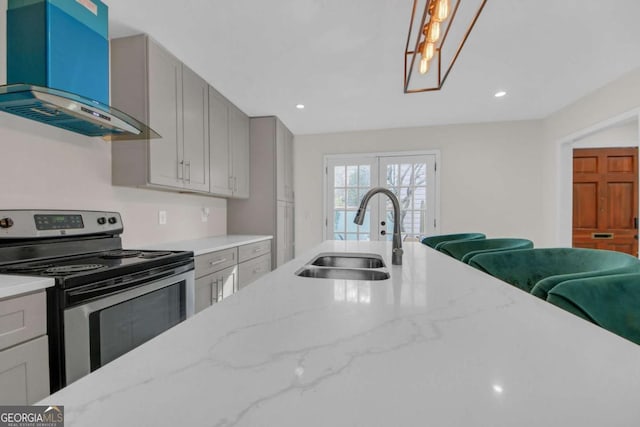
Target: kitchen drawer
{"points": [[24, 373], [215, 261], [215, 287], [22, 318], [254, 250], [249, 271]]}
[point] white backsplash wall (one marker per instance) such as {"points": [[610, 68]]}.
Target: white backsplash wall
{"points": [[49, 168]]}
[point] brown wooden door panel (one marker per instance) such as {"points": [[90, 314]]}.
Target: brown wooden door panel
{"points": [[605, 199], [585, 212]]}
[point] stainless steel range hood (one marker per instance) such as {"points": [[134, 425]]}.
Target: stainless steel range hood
{"points": [[71, 112]]}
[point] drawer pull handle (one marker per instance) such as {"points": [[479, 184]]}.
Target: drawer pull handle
{"points": [[602, 235], [220, 261]]}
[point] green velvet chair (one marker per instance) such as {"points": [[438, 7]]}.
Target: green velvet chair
{"points": [[612, 302], [538, 270], [464, 250], [434, 241]]}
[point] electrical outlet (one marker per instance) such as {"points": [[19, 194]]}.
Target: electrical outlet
{"points": [[162, 217], [204, 214]]}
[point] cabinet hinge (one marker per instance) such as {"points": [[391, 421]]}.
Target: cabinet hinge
{"points": [[435, 167]]}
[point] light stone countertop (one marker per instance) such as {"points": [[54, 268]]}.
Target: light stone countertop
{"points": [[12, 286], [209, 244], [437, 344]]}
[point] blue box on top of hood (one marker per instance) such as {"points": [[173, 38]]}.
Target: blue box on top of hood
{"points": [[60, 44]]}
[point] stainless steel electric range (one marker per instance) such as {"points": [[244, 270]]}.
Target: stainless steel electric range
{"points": [[106, 300]]}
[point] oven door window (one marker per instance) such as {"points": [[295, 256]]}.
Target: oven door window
{"points": [[122, 327]]}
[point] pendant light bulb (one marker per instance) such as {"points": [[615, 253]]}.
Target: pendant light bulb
{"points": [[441, 11], [433, 32], [424, 65], [428, 49]]}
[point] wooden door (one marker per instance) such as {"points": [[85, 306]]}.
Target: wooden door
{"points": [[605, 199]]}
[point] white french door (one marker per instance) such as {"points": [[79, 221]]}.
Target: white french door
{"points": [[411, 177]]}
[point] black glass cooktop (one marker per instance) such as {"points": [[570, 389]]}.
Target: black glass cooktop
{"points": [[95, 264]]}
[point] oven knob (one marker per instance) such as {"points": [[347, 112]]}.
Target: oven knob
{"points": [[6, 222], [102, 220], [113, 220]]}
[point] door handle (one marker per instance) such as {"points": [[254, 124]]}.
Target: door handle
{"points": [[383, 232], [635, 222]]}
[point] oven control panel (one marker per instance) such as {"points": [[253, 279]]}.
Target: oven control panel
{"points": [[26, 224]]}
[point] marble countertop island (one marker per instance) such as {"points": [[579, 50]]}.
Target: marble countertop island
{"points": [[437, 344]]}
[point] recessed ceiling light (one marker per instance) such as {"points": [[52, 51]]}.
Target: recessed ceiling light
{"points": [[300, 106], [500, 94]]}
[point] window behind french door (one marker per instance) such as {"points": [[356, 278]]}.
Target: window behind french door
{"points": [[412, 178]]}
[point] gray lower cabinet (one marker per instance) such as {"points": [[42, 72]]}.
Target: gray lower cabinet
{"points": [[24, 360], [254, 261], [215, 287], [156, 88], [220, 274], [253, 269], [216, 277], [285, 236]]}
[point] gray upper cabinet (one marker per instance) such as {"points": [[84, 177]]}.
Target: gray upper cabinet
{"points": [[195, 118], [239, 147], [220, 179], [156, 88], [229, 145]]}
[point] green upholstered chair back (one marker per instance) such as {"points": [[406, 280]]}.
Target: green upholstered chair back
{"points": [[539, 270], [464, 250], [612, 302], [434, 241]]}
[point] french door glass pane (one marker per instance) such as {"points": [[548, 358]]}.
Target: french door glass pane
{"points": [[406, 177], [411, 178], [349, 182]]}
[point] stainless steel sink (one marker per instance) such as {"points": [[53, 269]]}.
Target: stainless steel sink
{"points": [[342, 273], [348, 260], [345, 266]]}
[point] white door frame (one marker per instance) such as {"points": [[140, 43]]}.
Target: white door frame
{"points": [[564, 170], [435, 153]]}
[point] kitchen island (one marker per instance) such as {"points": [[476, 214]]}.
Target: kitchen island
{"points": [[437, 344]]}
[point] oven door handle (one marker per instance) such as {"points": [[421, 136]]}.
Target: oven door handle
{"points": [[74, 297]]}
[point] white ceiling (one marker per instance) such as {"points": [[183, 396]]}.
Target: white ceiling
{"points": [[343, 59]]}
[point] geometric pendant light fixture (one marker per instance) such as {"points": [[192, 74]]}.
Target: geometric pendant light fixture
{"points": [[437, 33]]}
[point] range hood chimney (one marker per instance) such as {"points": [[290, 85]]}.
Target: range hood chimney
{"points": [[58, 69]]}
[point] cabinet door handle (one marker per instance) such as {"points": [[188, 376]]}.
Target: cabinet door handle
{"points": [[188, 165], [220, 289], [219, 261], [214, 291], [181, 170]]}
